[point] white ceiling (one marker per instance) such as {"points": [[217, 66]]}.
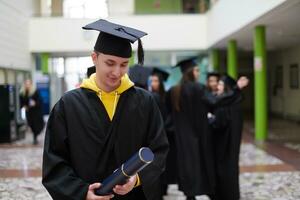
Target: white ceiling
{"points": [[282, 28]]}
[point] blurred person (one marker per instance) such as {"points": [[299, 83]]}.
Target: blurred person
{"points": [[140, 75], [157, 88], [227, 125], [194, 152], [94, 129], [90, 70], [31, 101], [212, 82]]}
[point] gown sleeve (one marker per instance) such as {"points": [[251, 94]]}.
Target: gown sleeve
{"points": [[59, 178]]}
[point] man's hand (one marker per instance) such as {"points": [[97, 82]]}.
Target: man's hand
{"points": [[242, 82], [92, 196], [127, 187]]}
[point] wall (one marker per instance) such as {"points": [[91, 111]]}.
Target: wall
{"points": [[14, 20], [284, 101], [165, 32]]}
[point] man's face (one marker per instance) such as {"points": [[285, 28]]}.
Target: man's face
{"points": [[212, 83], [109, 70]]}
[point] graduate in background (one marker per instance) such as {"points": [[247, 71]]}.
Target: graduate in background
{"points": [[157, 88], [92, 130], [212, 80], [140, 75], [194, 152], [227, 128], [157, 79], [90, 70], [32, 102]]}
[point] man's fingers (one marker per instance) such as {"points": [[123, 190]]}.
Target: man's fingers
{"points": [[94, 186]]}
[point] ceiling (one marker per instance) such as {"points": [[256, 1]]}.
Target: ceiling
{"points": [[282, 28]]}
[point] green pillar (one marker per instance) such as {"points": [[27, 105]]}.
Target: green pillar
{"points": [[232, 59], [215, 60], [260, 81], [44, 63]]}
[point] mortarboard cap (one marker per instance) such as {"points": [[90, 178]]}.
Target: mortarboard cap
{"points": [[115, 39], [186, 64], [163, 74]]}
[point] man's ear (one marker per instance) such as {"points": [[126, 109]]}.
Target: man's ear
{"points": [[94, 56]]}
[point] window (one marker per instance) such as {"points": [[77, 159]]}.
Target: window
{"points": [[85, 8], [294, 76], [279, 77]]}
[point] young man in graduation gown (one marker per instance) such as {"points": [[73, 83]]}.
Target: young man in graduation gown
{"points": [[92, 130], [194, 151]]}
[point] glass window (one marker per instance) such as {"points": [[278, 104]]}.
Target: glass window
{"points": [[2, 76], [294, 76], [279, 77], [85, 8], [10, 77]]}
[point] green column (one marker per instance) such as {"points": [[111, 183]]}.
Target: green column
{"points": [[215, 60], [44, 62], [232, 59], [260, 81]]}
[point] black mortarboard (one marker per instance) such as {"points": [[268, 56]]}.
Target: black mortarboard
{"points": [[163, 74], [140, 75], [186, 64], [215, 74], [115, 39], [90, 71]]}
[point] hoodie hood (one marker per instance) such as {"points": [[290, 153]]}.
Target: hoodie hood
{"points": [[90, 83], [109, 99]]}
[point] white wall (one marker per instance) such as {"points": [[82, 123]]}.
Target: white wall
{"points": [[166, 32], [14, 22], [229, 16], [286, 101]]}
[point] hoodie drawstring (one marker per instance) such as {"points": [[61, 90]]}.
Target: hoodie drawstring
{"points": [[115, 103], [100, 94]]}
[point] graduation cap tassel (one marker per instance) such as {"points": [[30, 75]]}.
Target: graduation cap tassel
{"points": [[140, 52]]}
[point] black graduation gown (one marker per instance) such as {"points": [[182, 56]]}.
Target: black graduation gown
{"points": [[227, 129], [34, 115], [82, 145], [170, 174], [193, 141]]}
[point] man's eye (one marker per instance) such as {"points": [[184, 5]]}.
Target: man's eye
{"points": [[109, 64]]}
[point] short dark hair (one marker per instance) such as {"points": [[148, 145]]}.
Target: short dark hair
{"points": [[213, 74]]}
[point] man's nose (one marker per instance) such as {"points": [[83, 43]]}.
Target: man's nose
{"points": [[117, 71]]}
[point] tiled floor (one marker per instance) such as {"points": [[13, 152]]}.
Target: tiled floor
{"points": [[263, 175]]}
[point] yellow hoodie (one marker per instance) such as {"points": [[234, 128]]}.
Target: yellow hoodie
{"points": [[109, 100]]}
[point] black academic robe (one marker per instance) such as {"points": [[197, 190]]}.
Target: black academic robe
{"points": [[34, 114], [227, 130], [170, 174], [82, 145], [193, 141]]}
